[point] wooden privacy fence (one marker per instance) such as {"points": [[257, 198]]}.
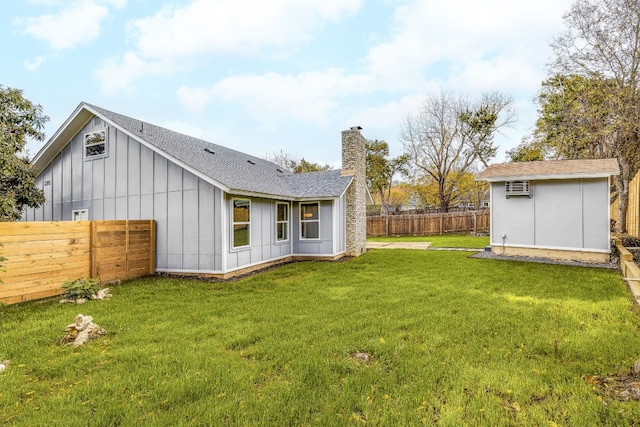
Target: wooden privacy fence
{"points": [[428, 224], [633, 208], [41, 256]]}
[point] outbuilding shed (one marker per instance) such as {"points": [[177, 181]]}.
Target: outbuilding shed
{"points": [[554, 209]]}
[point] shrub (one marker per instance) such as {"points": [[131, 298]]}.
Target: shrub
{"points": [[80, 288]]}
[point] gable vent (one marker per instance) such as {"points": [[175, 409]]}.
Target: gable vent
{"points": [[517, 188]]}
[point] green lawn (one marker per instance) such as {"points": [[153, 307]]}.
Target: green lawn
{"points": [[453, 341], [440, 241]]}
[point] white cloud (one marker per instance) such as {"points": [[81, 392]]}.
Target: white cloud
{"points": [[77, 23], [178, 36], [454, 37], [310, 96], [119, 74], [194, 99], [36, 63], [238, 27]]}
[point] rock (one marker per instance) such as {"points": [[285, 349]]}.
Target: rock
{"points": [[631, 393], [3, 365], [102, 294], [81, 300], [82, 330], [363, 357]]}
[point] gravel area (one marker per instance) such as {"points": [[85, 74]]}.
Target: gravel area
{"points": [[489, 255]]}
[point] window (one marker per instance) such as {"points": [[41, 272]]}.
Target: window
{"points": [[309, 220], [282, 222], [95, 144], [80, 214], [241, 223]]}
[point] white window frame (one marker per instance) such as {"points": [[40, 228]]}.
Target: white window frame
{"points": [[235, 223], [308, 221], [285, 223], [95, 144], [80, 215]]}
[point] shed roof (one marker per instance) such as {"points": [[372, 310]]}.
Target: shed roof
{"points": [[550, 169], [231, 170]]}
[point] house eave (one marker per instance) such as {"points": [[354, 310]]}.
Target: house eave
{"points": [[65, 133], [545, 177], [238, 192]]}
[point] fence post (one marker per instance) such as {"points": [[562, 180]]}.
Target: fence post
{"points": [[152, 249], [126, 249], [93, 243], [475, 228], [441, 222]]}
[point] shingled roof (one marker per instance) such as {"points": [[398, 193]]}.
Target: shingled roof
{"points": [[231, 170], [550, 169]]}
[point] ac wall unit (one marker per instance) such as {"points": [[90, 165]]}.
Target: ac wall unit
{"points": [[517, 188]]}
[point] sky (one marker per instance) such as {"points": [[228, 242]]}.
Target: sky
{"points": [[271, 76]]}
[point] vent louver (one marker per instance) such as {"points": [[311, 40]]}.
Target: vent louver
{"points": [[517, 188]]}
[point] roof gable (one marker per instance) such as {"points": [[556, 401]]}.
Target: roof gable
{"points": [[550, 169], [228, 169]]}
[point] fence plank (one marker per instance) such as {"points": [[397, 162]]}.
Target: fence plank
{"points": [[41, 256], [428, 224]]}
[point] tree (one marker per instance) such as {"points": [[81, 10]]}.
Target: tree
{"points": [[527, 151], [381, 170], [19, 120], [481, 122], [425, 190], [295, 164], [601, 50], [303, 166], [467, 192], [450, 134]]}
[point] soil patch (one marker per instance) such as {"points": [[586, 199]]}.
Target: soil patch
{"points": [[622, 387]]}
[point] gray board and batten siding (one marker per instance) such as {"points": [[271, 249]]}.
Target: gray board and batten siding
{"points": [[133, 182], [553, 205], [188, 186], [564, 214]]}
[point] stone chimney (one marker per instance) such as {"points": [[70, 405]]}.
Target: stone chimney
{"points": [[354, 162]]}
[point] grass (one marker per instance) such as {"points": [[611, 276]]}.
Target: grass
{"points": [[440, 241], [453, 341]]}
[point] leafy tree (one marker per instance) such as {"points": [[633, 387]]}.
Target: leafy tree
{"points": [[597, 66], [469, 192], [19, 120], [295, 164], [399, 195], [450, 134], [527, 151], [466, 192], [576, 116], [303, 166], [425, 190], [381, 170], [481, 122]]}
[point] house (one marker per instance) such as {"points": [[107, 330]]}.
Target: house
{"points": [[554, 209], [218, 211]]}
